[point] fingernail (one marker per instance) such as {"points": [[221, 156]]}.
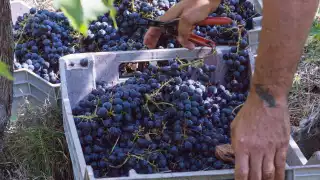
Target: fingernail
{"points": [[191, 46], [182, 42]]}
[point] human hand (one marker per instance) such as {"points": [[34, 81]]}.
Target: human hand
{"points": [[260, 137], [190, 12]]}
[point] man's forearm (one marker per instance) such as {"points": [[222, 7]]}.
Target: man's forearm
{"points": [[285, 27]]}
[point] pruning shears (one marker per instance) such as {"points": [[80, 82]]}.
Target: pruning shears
{"points": [[171, 28]]}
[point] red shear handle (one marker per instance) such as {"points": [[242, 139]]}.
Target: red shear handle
{"points": [[201, 41], [215, 21]]}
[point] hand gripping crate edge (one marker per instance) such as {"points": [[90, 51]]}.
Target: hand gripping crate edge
{"points": [[77, 81]]}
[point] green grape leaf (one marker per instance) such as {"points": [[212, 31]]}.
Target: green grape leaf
{"points": [[81, 12], [4, 71], [113, 11], [315, 28]]}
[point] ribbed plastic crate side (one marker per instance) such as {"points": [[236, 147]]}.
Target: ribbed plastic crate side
{"points": [[20, 76], [257, 22], [22, 89], [74, 146], [253, 39], [41, 96], [42, 84], [253, 34], [311, 172], [28, 84]]}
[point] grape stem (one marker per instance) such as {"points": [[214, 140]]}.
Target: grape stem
{"points": [[236, 108], [181, 62], [165, 103], [146, 106], [141, 158], [132, 6], [239, 38], [193, 63], [158, 90], [23, 30], [134, 156], [87, 117], [120, 165], [114, 145]]}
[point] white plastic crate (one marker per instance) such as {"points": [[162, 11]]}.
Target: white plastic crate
{"points": [[38, 91], [254, 39], [77, 82], [27, 84]]}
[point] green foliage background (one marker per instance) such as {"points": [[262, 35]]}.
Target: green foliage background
{"points": [[4, 71]]}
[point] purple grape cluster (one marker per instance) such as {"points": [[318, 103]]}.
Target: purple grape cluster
{"points": [[103, 37], [168, 118], [42, 38]]}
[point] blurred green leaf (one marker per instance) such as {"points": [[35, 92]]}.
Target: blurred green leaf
{"points": [[81, 12], [4, 71]]}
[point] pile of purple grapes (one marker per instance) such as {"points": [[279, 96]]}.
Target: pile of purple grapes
{"points": [[167, 118]]}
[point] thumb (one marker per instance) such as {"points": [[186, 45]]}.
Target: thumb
{"points": [[185, 29], [151, 37]]}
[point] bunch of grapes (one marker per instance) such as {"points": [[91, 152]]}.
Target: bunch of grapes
{"points": [[238, 63], [168, 118], [42, 37], [103, 37]]}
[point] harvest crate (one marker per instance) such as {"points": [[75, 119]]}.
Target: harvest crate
{"points": [[27, 84], [78, 81]]}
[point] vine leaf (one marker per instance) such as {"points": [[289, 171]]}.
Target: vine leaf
{"points": [[81, 12], [4, 71], [315, 29]]}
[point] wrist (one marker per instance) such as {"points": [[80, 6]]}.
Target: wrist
{"points": [[270, 95]]}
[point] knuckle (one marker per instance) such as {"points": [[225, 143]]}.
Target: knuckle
{"points": [[185, 18], [268, 174], [280, 164], [282, 156], [256, 146]]}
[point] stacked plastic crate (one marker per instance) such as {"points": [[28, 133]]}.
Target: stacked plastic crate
{"points": [[27, 85]]}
